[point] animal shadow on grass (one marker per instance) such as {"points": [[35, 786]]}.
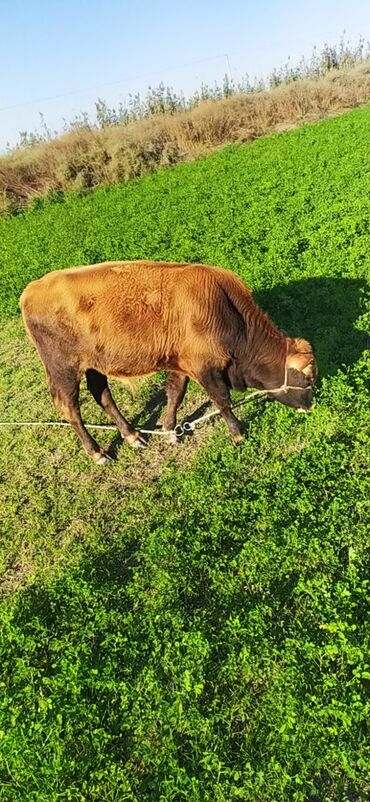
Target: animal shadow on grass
{"points": [[323, 311], [152, 412]]}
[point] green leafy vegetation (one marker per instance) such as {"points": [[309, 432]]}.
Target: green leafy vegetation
{"points": [[164, 129], [193, 623]]}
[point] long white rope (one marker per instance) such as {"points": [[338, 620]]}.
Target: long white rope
{"points": [[180, 428], [187, 426]]}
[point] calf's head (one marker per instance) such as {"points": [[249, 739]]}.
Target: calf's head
{"points": [[300, 376]]}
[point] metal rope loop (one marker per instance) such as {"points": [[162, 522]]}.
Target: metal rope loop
{"points": [[188, 426]]}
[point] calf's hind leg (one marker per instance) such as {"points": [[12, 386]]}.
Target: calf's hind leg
{"points": [[98, 385], [64, 389], [58, 351]]}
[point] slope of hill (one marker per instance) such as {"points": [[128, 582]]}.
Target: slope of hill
{"points": [[87, 156], [193, 623]]}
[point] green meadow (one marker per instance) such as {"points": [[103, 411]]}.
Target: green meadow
{"points": [[192, 622]]}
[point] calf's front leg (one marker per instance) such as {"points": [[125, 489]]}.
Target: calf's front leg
{"points": [[213, 382], [175, 389]]}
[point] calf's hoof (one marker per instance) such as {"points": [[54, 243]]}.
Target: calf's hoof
{"points": [[237, 439], [135, 441], [172, 439], [101, 458]]}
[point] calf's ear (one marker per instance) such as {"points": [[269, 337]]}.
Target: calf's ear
{"points": [[305, 363], [297, 361], [302, 357], [309, 370]]}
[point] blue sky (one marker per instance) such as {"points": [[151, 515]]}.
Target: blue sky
{"points": [[51, 50]]}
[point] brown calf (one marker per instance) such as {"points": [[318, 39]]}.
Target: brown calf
{"points": [[126, 319]]}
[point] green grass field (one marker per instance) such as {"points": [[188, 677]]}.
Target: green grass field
{"points": [[192, 623]]}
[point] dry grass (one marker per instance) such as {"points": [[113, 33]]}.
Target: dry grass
{"points": [[87, 157]]}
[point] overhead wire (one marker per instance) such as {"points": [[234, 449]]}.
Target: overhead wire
{"points": [[114, 83]]}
